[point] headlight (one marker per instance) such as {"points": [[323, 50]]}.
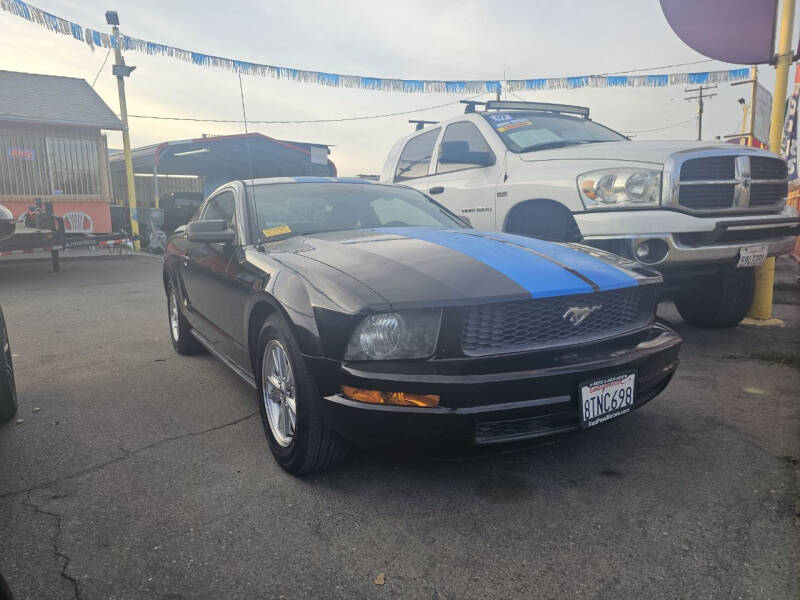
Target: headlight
{"points": [[392, 335], [620, 188]]}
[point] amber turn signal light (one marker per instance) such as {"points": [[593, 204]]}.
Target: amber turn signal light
{"points": [[393, 398]]}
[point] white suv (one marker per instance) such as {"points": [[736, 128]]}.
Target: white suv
{"points": [[696, 211]]}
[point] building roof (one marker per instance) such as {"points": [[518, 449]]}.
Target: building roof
{"points": [[34, 98]]}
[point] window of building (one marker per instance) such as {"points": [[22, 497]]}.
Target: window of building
{"points": [[416, 156], [41, 165]]}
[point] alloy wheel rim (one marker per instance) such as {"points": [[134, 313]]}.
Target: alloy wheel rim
{"points": [[279, 393], [173, 315]]}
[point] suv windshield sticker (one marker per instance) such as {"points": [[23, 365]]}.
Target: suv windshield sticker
{"points": [[500, 117], [533, 137]]}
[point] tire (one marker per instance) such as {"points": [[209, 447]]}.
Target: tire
{"points": [[544, 220], [303, 444], [719, 301], [180, 332], [8, 388]]}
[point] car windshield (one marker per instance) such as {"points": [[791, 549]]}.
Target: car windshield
{"points": [[523, 131], [302, 208]]}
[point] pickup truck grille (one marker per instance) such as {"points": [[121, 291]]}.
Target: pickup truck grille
{"points": [[539, 323], [732, 183]]}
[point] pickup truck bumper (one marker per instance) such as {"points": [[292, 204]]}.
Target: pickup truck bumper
{"points": [[690, 239]]}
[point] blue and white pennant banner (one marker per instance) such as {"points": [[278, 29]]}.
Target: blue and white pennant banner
{"points": [[414, 86]]}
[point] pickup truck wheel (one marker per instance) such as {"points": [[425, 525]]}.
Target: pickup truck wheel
{"points": [[180, 332], [8, 389], [720, 301], [545, 220], [289, 403]]}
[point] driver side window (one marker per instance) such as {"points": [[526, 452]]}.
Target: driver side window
{"points": [[221, 207]]}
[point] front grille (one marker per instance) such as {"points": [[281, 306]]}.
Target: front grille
{"points": [[529, 324], [707, 197], [764, 167], [713, 167], [731, 182], [767, 193]]}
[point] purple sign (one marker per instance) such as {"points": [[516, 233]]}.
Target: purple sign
{"points": [[733, 31]]}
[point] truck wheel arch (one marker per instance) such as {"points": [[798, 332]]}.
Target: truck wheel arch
{"points": [[542, 218]]}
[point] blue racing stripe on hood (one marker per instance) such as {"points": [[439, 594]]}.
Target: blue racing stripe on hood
{"points": [[541, 277], [604, 275]]}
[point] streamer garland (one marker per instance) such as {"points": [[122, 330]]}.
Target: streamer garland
{"points": [[411, 86]]}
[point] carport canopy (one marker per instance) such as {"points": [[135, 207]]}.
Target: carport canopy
{"points": [[229, 157]]}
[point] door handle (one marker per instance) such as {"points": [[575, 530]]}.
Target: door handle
{"points": [[437, 189]]}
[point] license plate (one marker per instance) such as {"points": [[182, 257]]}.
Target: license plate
{"points": [[752, 256], [606, 398]]}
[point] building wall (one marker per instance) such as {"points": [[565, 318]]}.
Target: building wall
{"points": [[145, 190], [59, 165]]}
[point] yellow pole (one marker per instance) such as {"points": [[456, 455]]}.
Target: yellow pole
{"points": [[765, 274], [126, 142]]}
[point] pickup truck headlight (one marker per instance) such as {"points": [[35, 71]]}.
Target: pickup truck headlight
{"points": [[394, 335], [620, 188]]}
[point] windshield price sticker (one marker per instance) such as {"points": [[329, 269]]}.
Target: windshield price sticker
{"points": [[606, 399], [275, 231], [752, 256]]}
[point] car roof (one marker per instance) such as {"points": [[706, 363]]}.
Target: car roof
{"points": [[273, 180]]}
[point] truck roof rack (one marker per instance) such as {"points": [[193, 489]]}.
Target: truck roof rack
{"points": [[420, 124], [542, 106]]}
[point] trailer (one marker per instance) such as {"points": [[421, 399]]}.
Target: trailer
{"points": [[44, 233]]}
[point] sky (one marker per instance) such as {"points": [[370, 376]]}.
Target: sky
{"points": [[409, 40]]}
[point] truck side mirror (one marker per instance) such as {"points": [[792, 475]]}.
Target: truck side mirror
{"points": [[210, 232]]}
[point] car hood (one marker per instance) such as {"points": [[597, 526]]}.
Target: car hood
{"points": [[419, 266], [655, 152]]}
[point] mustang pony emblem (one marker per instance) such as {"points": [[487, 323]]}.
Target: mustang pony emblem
{"points": [[578, 314]]}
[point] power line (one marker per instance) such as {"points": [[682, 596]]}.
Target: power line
{"points": [[105, 60], [700, 105], [661, 128], [287, 122], [686, 64]]}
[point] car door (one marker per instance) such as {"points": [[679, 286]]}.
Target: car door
{"points": [[204, 270], [465, 174]]}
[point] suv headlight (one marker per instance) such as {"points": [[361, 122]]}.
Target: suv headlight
{"points": [[393, 335], [620, 188]]}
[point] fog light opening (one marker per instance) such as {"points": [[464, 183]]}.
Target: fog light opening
{"points": [[390, 398], [651, 252]]}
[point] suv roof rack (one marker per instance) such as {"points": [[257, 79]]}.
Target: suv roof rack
{"points": [[420, 124], [543, 106]]}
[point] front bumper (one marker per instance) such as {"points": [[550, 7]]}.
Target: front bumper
{"points": [[482, 404]]}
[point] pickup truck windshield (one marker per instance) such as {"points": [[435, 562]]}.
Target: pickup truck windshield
{"points": [[283, 210], [528, 131]]}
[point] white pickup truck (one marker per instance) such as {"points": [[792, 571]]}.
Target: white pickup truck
{"points": [[703, 214]]}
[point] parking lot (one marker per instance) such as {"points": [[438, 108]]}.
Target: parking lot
{"points": [[138, 473]]}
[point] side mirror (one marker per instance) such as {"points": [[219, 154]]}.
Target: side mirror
{"points": [[210, 232]]}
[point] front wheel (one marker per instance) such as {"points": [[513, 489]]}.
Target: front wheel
{"points": [[289, 404], [719, 301], [8, 388], [180, 332]]}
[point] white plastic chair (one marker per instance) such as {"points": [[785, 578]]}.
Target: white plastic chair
{"points": [[78, 222]]}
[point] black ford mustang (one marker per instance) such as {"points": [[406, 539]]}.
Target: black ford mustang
{"points": [[369, 314]]}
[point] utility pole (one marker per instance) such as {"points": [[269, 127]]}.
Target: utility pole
{"points": [[700, 97], [121, 70], [761, 310]]}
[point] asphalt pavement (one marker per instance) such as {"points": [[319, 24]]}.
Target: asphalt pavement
{"points": [[138, 473]]}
